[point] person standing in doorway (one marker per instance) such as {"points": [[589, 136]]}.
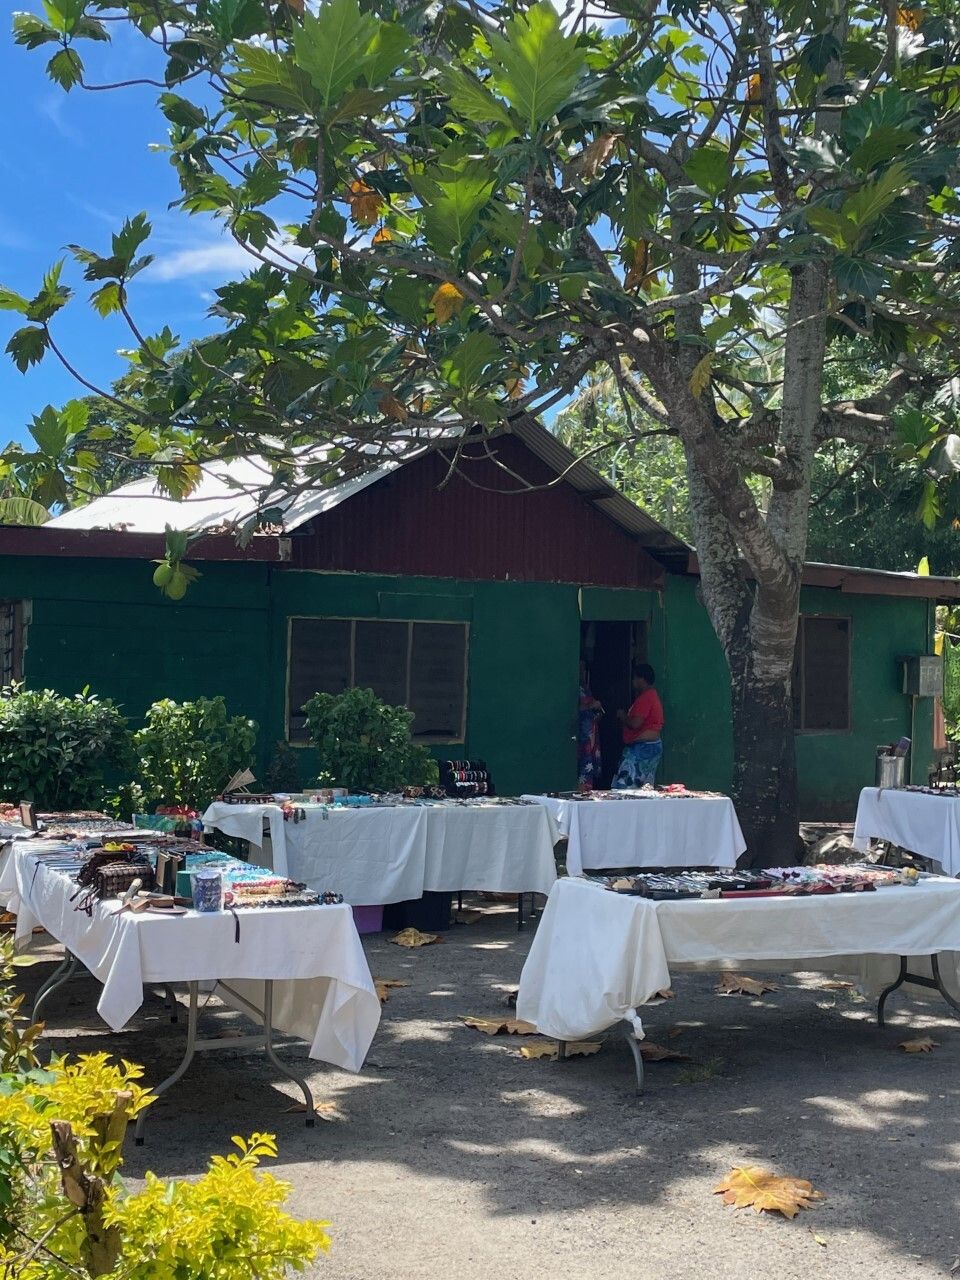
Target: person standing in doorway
{"points": [[588, 737], [642, 729]]}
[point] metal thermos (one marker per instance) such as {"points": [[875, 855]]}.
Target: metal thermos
{"points": [[890, 770]]}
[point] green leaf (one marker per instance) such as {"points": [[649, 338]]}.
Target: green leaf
{"points": [[834, 226], [27, 347], [10, 301], [929, 509], [65, 69], [535, 65], [881, 145], [385, 53], [473, 101], [23, 511], [452, 194], [466, 366], [865, 205], [857, 276], [709, 169], [130, 237], [181, 111], [50, 430], [266, 77], [333, 47], [32, 32], [106, 300], [923, 568]]}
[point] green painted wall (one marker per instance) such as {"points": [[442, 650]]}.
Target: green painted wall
{"points": [[832, 766], [101, 623]]}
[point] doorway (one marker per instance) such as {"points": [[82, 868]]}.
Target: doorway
{"points": [[610, 650]]}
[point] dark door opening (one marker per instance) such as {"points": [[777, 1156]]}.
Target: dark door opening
{"points": [[610, 649]]}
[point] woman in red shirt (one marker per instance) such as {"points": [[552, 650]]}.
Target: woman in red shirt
{"points": [[642, 727]]}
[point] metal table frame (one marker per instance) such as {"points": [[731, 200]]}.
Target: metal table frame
{"points": [[264, 1039], [934, 983]]}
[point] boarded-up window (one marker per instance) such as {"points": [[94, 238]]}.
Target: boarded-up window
{"points": [[420, 665], [821, 675], [11, 640]]}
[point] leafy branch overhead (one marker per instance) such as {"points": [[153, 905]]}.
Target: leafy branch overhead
{"points": [[460, 215]]}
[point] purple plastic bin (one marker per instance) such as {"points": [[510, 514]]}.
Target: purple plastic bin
{"points": [[368, 919]]}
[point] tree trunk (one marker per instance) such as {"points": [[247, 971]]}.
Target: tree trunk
{"points": [[765, 770]]}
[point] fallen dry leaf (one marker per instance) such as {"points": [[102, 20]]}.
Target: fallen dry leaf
{"points": [[385, 985], [414, 938], [819, 1239], [923, 1044], [468, 915], [494, 1026], [651, 1052], [667, 993], [325, 1110], [675, 1031], [753, 1186], [738, 984], [551, 1049], [837, 986]]}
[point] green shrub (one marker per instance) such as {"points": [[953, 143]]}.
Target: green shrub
{"points": [[365, 744], [283, 771], [189, 751], [65, 1213], [54, 747]]}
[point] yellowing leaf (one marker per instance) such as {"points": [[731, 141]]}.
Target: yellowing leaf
{"points": [[551, 1049], [414, 938], [637, 259], [325, 1110], [700, 377], [923, 568], [738, 984], [513, 384], [383, 236], [754, 88], [753, 1186], [912, 19], [385, 985], [447, 301], [588, 162], [365, 204], [494, 1026], [660, 1053], [391, 407], [667, 993], [923, 1044]]}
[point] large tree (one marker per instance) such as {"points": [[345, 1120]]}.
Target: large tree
{"points": [[461, 210]]}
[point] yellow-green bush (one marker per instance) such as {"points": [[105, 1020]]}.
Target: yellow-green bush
{"points": [[65, 1211]]}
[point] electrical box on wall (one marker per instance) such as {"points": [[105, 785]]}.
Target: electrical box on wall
{"points": [[923, 676]]}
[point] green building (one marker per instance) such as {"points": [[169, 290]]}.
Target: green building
{"points": [[469, 594]]}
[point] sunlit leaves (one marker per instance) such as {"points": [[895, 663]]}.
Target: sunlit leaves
{"points": [[452, 193], [333, 48], [447, 301], [27, 347], [535, 66]]}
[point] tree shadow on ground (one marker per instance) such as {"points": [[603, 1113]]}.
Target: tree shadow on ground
{"points": [[801, 1081]]}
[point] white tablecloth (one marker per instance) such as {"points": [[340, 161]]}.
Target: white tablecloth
{"points": [[323, 991], [924, 824], [374, 856], [650, 831], [598, 956]]}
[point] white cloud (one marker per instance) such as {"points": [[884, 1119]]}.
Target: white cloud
{"points": [[213, 259]]}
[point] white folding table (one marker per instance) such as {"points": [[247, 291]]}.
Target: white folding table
{"points": [[599, 956], [298, 970], [647, 830], [375, 855], [914, 820]]}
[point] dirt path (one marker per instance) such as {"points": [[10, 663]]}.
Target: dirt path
{"points": [[453, 1155]]}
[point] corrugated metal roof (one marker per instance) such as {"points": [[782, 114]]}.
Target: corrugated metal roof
{"points": [[230, 492]]}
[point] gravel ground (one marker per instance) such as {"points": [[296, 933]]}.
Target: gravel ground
{"points": [[450, 1150]]}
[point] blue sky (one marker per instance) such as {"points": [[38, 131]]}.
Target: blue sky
{"points": [[72, 167]]}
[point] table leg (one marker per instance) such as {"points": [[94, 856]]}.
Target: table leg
{"points": [[934, 983], [187, 1059], [631, 1038], [281, 1067], [519, 910], [63, 973]]}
